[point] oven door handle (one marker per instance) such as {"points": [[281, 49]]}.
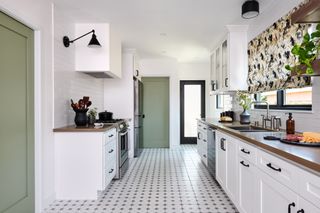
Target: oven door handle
{"points": [[123, 133]]}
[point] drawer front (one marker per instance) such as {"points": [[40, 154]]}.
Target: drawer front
{"points": [[247, 152], [110, 135], [110, 172], [111, 150], [309, 187], [277, 168]]}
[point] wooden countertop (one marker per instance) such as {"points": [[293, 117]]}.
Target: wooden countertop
{"points": [[302, 156], [74, 128]]}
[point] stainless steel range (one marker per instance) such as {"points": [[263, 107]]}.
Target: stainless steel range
{"points": [[122, 145]]}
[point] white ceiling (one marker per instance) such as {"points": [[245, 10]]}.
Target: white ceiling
{"points": [[183, 29]]}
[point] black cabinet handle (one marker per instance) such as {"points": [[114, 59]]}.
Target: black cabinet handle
{"points": [[205, 156], [275, 169], [291, 205], [110, 136], [111, 171], [226, 82], [111, 151], [246, 165], [204, 128], [199, 135], [222, 145], [204, 140], [300, 211], [246, 152]]}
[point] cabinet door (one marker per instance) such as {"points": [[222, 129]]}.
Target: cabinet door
{"points": [[218, 68], [306, 207], [232, 168], [213, 75], [246, 187], [224, 65], [273, 196], [220, 159]]}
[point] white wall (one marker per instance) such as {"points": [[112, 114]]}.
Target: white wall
{"points": [[37, 15], [67, 82], [176, 72], [118, 95]]}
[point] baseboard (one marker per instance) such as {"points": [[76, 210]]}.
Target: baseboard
{"points": [[48, 200]]}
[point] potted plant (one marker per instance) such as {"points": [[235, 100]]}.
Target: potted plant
{"points": [[92, 114], [307, 54], [245, 100]]}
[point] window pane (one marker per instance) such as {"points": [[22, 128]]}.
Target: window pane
{"points": [[192, 109], [271, 97], [301, 96]]}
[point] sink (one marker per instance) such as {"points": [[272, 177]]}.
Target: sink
{"points": [[249, 129]]}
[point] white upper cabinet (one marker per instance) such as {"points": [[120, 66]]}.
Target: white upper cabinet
{"points": [[104, 62], [229, 61]]}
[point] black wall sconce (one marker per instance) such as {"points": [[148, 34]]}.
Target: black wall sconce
{"points": [[93, 42]]}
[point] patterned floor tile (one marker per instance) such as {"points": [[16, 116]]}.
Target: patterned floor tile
{"points": [[159, 181]]}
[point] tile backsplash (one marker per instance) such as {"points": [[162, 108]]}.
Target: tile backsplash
{"points": [[69, 84]]}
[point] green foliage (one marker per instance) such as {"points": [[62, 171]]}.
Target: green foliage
{"points": [[245, 100], [306, 52], [93, 112]]}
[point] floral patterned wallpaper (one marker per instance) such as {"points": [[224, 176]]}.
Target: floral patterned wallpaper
{"points": [[270, 52]]}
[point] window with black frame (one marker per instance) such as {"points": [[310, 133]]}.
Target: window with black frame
{"points": [[289, 99]]}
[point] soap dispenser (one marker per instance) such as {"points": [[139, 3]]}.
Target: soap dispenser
{"points": [[290, 124]]}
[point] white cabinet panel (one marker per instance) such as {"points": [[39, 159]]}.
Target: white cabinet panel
{"points": [[273, 196], [232, 168], [246, 182], [309, 186], [221, 159], [307, 207]]}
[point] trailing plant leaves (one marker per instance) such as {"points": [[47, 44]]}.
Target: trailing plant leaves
{"points": [[315, 34], [306, 37], [288, 67], [309, 70], [318, 27]]}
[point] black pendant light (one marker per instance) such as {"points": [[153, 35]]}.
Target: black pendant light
{"points": [[250, 9], [94, 43]]}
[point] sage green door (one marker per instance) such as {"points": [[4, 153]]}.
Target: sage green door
{"points": [[156, 110], [17, 117]]}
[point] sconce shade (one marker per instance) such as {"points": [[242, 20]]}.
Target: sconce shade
{"points": [[250, 9], [94, 43]]}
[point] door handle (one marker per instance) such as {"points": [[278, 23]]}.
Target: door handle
{"points": [[246, 165], [222, 145], [275, 169], [291, 205]]}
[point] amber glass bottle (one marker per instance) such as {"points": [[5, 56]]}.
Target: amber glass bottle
{"points": [[290, 125]]}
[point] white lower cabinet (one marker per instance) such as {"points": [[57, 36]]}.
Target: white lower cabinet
{"points": [[221, 159], [274, 197], [85, 163], [202, 142], [266, 185], [246, 186]]}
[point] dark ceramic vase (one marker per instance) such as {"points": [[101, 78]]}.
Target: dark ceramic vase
{"points": [[245, 117], [81, 118]]}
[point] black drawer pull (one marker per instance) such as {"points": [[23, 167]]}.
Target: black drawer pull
{"points": [[222, 144], [111, 171], [275, 169], [291, 205], [204, 128], [204, 156], [300, 211], [204, 140], [110, 136], [246, 165], [111, 151], [246, 152]]}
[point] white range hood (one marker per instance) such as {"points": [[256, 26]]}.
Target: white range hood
{"points": [[104, 62]]}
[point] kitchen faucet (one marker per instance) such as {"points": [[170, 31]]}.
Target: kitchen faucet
{"points": [[264, 119]]}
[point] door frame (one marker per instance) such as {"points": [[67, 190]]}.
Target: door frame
{"points": [[37, 103], [202, 83]]}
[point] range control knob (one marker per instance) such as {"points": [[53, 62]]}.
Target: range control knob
{"points": [[121, 126]]}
